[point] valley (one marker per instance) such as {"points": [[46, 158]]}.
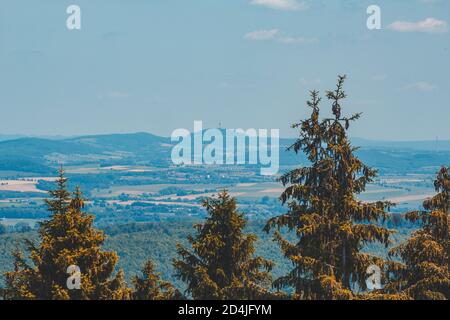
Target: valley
{"points": [[130, 178]]}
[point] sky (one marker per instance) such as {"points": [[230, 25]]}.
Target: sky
{"points": [[158, 65]]}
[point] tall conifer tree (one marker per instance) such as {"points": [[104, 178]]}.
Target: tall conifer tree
{"points": [[221, 264], [66, 239], [425, 271], [150, 286], [331, 224]]}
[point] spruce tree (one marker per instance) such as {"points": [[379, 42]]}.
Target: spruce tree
{"points": [[151, 287], [331, 224], [221, 264], [425, 269], [66, 239]]}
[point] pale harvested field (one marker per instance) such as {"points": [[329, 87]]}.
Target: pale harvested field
{"points": [[116, 168], [96, 169], [404, 180], [397, 200], [23, 185], [245, 185], [83, 170], [416, 197], [274, 190], [381, 191], [126, 169]]}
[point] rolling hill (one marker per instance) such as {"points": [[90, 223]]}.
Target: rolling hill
{"points": [[41, 156]]}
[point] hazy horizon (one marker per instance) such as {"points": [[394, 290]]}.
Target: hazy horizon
{"points": [[61, 137]]}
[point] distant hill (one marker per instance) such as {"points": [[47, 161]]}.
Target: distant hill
{"points": [[426, 145], [37, 147], [387, 158], [5, 137], [42, 155], [121, 142]]}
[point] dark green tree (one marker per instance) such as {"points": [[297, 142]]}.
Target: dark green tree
{"points": [[331, 224], [221, 264], [150, 286], [66, 239], [425, 269]]}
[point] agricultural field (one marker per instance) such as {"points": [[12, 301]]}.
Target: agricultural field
{"points": [[129, 178], [121, 198], [26, 184]]}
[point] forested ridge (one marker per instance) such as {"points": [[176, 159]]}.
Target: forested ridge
{"points": [[322, 248]]}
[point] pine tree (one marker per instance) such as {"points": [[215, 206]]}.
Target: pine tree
{"points": [[66, 239], [151, 287], [60, 199], [332, 226], [425, 271], [221, 264]]}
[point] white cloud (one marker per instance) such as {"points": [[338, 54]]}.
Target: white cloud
{"points": [[289, 5], [422, 86], [429, 25], [276, 35], [262, 34]]}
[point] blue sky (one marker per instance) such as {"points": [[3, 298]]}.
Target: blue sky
{"points": [[158, 65]]}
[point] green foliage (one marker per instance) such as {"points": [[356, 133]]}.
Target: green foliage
{"points": [[331, 224], [425, 269], [151, 287], [221, 264], [66, 239], [137, 242]]}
